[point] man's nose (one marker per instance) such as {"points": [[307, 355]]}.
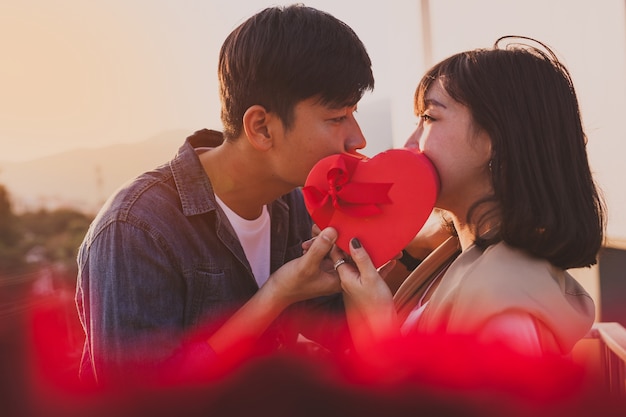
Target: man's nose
{"points": [[355, 139]]}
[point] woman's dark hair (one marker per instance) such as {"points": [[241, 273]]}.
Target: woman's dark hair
{"points": [[545, 197], [284, 55]]}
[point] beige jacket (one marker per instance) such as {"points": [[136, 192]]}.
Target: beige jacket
{"points": [[480, 285]]}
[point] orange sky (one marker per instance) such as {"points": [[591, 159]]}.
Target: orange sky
{"points": [[77, 74]]}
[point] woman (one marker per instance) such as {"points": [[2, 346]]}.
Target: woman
{"points": [[503, 128]]}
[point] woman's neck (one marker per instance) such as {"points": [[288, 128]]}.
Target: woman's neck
{"points": [[466, 235], [467, 232]]}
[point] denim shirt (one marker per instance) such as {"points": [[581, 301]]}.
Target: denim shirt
{"points": [[161, 259]]}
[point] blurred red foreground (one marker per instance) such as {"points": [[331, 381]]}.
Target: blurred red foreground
{"points": [[40, 349]]}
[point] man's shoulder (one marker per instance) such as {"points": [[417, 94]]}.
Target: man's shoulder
{"points": [[144, 196]]}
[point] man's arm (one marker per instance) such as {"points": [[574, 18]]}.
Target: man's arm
{"points": [[130, 301], [309, 276]]}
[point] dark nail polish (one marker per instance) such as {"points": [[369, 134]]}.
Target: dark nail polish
{"points": [[356, 244]]}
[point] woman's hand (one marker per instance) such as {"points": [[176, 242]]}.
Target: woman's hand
{"points": [[369, 303]]}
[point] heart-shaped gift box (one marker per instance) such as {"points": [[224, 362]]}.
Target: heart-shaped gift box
{"points": [[383, 201]]}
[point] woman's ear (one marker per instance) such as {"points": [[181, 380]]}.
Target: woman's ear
{"points": [[482, 142], [256, 122]]}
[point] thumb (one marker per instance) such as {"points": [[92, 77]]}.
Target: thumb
{"points": [[322, 244]]}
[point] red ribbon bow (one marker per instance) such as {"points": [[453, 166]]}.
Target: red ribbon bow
{"points": [[356, 199]]}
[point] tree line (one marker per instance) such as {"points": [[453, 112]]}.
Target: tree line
{"points": [[39, 239]]}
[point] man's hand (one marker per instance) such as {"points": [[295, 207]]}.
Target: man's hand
{"points": [[309, 276]]}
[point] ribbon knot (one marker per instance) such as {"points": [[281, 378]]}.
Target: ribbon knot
{"points": [[356, 199]]}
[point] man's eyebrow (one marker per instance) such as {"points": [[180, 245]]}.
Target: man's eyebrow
{"points": [[434, 103]]}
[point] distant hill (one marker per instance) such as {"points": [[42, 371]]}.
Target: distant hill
{"points": [[84, 178]]}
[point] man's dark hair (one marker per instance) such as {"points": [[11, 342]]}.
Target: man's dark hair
{"points": [[284, 55]]}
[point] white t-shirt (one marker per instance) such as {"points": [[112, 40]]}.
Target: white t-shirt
{"points": [[254, 236]]}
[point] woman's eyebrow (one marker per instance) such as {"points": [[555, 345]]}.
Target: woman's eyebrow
{"points": [[431, 102]]}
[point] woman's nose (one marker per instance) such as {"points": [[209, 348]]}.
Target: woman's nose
{"points": [[414, 140]]}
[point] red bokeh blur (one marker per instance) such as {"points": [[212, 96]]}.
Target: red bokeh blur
{"points": [[440, 376]]}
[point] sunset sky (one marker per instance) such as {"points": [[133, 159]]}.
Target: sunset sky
{"points": [[81, 73], [78, 73]]}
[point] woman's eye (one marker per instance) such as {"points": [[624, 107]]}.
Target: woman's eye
{"points": [[425, 117]]}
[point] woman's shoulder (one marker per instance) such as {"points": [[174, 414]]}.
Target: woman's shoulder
{"points": [[507, 275], [503, 278], [503, 263]]}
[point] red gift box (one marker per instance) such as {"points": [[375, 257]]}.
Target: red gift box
{"points": [[383, 201]]}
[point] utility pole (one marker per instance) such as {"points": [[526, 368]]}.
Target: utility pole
{"points": [[427, 41]]}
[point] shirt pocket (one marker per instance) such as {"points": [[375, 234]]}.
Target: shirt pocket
{"points": [[210, 296]]}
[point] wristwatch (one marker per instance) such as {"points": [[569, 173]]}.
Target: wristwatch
{"points": [[408, 261]]}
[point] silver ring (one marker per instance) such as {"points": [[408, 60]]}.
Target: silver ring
{"points": [[339, 262]]}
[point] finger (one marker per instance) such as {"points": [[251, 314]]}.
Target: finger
{"points": [[360, 256], [336, 253], [306, 245], [322, 244], [315, 230], [384, 270]]}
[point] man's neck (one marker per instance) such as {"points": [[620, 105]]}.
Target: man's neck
{"points": [[240, 179]]}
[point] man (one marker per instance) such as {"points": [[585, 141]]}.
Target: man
{"points": [[198, 243]]}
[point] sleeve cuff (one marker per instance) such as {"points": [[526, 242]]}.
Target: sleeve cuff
{"points": [[408, 261]]}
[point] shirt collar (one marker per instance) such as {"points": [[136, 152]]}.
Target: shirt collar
{"points": [[195, 189]]}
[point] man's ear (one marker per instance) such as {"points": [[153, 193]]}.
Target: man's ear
{"points": [[256, 121]]}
